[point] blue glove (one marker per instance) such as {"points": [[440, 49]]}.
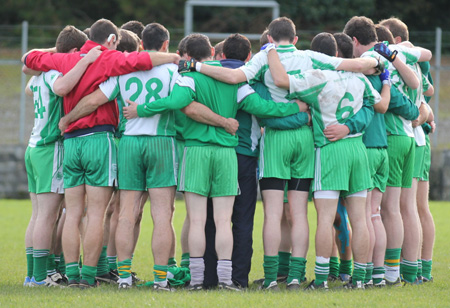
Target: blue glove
{"points": [[268, 47], [384, 50], [385, 78]]}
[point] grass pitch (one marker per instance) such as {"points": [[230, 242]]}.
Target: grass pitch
{"points": [[16, 213]]}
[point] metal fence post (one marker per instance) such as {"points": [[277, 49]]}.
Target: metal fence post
{"points": [[437, 81], [23, 84]]}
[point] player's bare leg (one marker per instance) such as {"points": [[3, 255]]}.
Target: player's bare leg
{"points": [[428, 229], [371, 229], [379, 250], [29, 239]]}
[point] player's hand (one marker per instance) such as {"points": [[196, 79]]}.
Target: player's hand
{"points": [[176, 58], [309, 117], [304, 107], [187, 66], [130, 112], [433, 126], [336, 132], [385, 77], [268, 47], [63, 124], [379, 68], [384, 50], [93, 54], [415, 123], [231, 126]]}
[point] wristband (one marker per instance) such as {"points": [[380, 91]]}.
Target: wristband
{"points": [[198, 66], [387, 81]]}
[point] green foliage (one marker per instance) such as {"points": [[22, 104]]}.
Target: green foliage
{"points": [[15, 216]]}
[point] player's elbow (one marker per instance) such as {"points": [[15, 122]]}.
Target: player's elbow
{"points": [[426, 55], [60, 90], [380, 108], [429, 92]]}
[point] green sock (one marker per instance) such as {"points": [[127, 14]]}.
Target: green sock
{"points": [[419, 268], [359, 272], [160, 272], [321, 270], [88, 273], [51, 265], [334, 266], [57, 260], [102, 265], [408, 270], [185, 260], [426, 268], [112, 262], [172, 262], [73, 271], [369, 271], [345, 267], [270, 269], [40, 257], [283, 263], [62, 265], [124, 268], [378, 274], [29, 254], [297, 269], [392, 257]]}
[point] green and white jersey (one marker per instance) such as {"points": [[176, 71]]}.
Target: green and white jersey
{"points": [[417, 97], [48, 109], [395, 124], [145, 87], [334, 97], [294, 61]]}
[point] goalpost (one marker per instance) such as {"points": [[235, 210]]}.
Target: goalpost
{"points": [[189, 14]]}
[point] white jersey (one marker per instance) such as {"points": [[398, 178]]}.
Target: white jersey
{"points": [[294, 61], [143, 87], [48, 109], [418, 98], [334, 97]]}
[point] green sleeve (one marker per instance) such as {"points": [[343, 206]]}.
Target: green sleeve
{"points": [[362, 119], [402, 106], [262, 108], [290, 122], [179, 98]]}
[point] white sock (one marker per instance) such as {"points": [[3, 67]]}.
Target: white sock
{"points": [[224, 269], [392, 273], [197, 269]]}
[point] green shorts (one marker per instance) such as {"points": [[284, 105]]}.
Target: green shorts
{"points": [[426, 161], [44, 166], [419, 162], [90, 159], [147, 162], [209, 171], [287, 154], [180, 151], [342, 166], [378, 167], [401, 150]]}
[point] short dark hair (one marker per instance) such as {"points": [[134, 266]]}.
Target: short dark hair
{"points": [[237, 47], [129, 41], [154, 35], [325, 43], [198, 46], [218, 48], [362, 28], [134, 26], [384, 34], [282, 28], [69, 38], [263, 40], [344, 45], [87, 32], [102, 29], [397, 28], [182, 46]]}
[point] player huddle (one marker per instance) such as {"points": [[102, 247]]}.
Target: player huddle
{"points": [[345, 123]]}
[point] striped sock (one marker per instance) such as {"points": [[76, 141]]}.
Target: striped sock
{"points": [[51, 265], [419, 268], [321, 270], [62, 265], [40, 257], [160, 273], [224, 268], [197, 269], [29, 254], [124, 268], [185, 260], [359, 272], [378, 274], [409, 270], [73, 271], [112, 262], [172, 262], [392, 264], [369, 271]]}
